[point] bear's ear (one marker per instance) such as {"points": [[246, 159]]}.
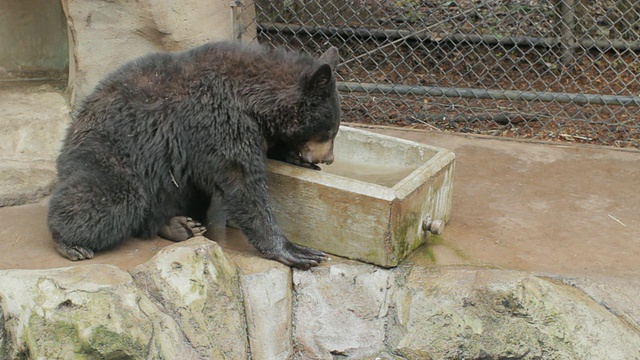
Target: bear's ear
{"points": [[320, 79], [331, 57]]}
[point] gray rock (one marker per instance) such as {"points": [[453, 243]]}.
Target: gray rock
{"points": [[340, 310], [91, 311], [456, 314], [621, 296], [266, 287], [198, 286]]}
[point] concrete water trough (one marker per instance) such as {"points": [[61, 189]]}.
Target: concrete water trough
{"points": [[375, 203]]}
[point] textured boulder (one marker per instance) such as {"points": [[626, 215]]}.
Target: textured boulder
{"points": [[341, 310], [198, 286], [106, 34], [487, 314], [92, 311]]}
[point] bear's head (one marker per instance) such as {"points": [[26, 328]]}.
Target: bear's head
{"points": [[318, 112]]}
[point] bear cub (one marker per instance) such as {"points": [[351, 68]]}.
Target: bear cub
{"points": [[169, 135]]}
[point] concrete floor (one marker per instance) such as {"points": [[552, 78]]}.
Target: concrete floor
{"points": [[553, 209], [26, 243]]}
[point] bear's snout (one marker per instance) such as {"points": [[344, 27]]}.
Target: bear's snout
{"points": [[328, 159], [316, 152]]}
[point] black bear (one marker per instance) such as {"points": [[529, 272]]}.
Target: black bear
{"points": [[165, 134]]}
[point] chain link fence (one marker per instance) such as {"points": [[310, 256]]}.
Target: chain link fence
{"points": [[564, 70]]}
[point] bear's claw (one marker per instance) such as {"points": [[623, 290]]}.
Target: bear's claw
{"points": [[295, 255], [74, 252], [304, 164]]}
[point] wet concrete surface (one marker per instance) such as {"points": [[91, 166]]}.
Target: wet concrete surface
{"points": [[551, 209], [556, 209], [26, 243]]}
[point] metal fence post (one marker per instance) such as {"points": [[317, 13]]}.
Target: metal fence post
{"points": [[567, 26]]}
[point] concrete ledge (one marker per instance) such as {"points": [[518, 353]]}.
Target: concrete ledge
{"points": [[25, 182], [33, 120]]}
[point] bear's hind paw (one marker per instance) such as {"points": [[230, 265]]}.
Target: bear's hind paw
{"points": [[74, 252], [181, 228]]}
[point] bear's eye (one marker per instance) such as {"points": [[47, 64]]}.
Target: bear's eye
{"points": [[331, 133]]}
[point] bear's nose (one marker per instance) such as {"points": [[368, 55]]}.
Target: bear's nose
{"points": [[328, 159]]}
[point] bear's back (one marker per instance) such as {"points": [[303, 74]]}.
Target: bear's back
{"points": [[162, 78]]}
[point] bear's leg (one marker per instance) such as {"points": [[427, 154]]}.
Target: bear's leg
{"points": [[181, 228], [89, 212], [248, 206], [216, 215]]}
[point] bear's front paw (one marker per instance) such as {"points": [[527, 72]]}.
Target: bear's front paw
{"points": [[295, 255], [299, 162]]}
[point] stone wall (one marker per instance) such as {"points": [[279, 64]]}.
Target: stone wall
{"points": [[195, 301]]}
